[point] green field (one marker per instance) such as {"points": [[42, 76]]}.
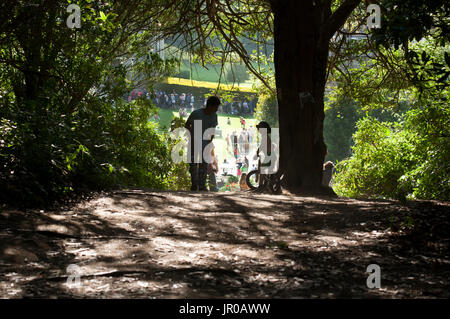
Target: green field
{"points": [[210, 74]]}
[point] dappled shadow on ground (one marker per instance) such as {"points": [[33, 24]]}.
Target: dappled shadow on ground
{"points": [[146, 244]]}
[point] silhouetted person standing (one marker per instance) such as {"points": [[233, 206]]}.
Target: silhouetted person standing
{"points": [[206, 118]]}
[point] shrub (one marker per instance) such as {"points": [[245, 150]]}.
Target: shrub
{"points": [[267, 109], [46, 154], [430, 124], [338, 128], [377, 164], [409, 159]]}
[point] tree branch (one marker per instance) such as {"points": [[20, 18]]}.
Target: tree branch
{"points": [[339, 17]]}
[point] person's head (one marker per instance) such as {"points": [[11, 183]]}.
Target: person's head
{"points": [[328, 165], [212, 104], [265, 125]]}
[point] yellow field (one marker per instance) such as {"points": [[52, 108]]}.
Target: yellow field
{"points": [[209, 85]]}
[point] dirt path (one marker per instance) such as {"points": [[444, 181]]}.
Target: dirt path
{"points": [[143, 244]]}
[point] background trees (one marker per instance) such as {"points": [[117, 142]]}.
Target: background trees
{"points": [[64, 123], [407, 72], [403, 159]]}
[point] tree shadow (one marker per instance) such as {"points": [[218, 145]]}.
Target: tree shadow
{"points": [[242, 246]]}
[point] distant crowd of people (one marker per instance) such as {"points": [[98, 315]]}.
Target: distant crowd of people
{"points": [[239, 107], [184, 102], [240, 143], [175, 101], [136, 94]]}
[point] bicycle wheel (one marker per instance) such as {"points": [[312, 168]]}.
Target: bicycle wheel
{"points": [[252, 179]]}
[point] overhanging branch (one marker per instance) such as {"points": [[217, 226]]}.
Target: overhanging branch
{"points": [[339, 17]]}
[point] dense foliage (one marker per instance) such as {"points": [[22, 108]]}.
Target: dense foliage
{"points": [[267, 108], [404, 68], [65, 125], [340, 124], [405, 159], [338, 128]]}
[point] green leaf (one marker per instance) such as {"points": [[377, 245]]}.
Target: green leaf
{"points": [[443, 79], [103, 16]]}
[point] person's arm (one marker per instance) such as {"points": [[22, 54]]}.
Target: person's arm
{"points": [[216, 123], [215, 165], [269, 146], [188, 124]]}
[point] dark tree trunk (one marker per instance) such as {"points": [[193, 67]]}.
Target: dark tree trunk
{"points": [[301, 55]]}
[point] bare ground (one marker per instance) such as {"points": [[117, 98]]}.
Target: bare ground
{"points": [[147, 244]]}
